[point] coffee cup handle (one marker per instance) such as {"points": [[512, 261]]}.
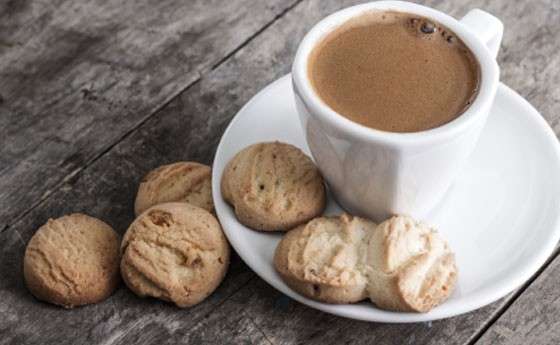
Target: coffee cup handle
{"points": [[486, 27]]}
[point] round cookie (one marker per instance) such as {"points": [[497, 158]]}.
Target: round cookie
{"points": [[177, 182], [176, 252], [72, 261], [410, 267], [273, 186], [321, 259]]}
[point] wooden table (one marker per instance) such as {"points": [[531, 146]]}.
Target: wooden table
{"points": [[94, 94]]}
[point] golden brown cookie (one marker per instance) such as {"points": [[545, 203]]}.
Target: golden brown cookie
{"points": [[273, 186], [401, 264], [72, 261], [322, 259], [176, 252], [177, 182]]}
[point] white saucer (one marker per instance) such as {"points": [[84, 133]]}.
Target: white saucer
{"points": [[501, 216]]}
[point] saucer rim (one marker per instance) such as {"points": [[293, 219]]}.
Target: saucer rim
{"points": [[477, 299]]}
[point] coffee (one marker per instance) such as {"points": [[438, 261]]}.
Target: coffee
{"points": [[394, 71]]}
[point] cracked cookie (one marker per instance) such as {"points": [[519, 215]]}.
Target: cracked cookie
{"points": [[321, 259], [72, 261], [401, 264], [273, 186], [176, 252], [177, 182]]}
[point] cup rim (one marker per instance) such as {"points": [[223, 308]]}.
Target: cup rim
{"points": [[489, 77]]}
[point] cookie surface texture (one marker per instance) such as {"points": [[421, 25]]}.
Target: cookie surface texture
{"points": [[322, 259], [176, 252], [72, 261], [273, 187], [410, 266], [189, 182]]}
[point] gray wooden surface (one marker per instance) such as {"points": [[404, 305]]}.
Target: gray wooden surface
{"points": [[94, 94]]}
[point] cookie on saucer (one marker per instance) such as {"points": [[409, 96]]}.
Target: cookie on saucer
{"points": [[410, 267], [321, 259], [400, 264], [273, 186]]}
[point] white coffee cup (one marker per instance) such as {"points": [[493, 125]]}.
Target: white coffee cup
{"points": [[375, 173]]}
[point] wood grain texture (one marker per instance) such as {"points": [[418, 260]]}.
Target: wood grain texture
{"points": [[284, 321], [534, 318], [244, 309], [75, 77]]}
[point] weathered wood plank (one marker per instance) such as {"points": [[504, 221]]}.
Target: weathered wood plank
{"points": [[284, 321], [231, 326], [189, 128], [77, 76], [534, 318]]}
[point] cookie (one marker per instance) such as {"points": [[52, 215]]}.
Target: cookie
{"points": [[273, 186], [401, 264], [410, 266], [176, 252], [321, 259], [177, 182], [72, 261]]}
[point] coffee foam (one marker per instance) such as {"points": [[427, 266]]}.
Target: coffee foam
{"points": [[394, 71]]}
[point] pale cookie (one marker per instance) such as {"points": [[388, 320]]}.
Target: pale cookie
{"points": [[177, 182], [273, 186], [176, 252], [322, 259], [72, 261], [400, 264], [410, 266]]}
